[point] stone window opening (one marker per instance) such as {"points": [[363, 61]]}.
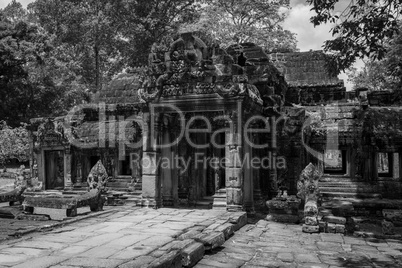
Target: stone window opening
{"points": [[385, 164], [335, 162]]}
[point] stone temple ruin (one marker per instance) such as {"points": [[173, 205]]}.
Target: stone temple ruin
{"points": [[293, 110]]}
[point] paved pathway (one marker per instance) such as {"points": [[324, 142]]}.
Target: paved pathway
{"points": [[139, 237], [10, 228], [269, 244], [131, 237]]}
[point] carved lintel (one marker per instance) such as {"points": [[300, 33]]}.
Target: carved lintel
{"points": [[145, 96]]}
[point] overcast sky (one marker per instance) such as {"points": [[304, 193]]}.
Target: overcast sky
{"points": [[298, 21]]}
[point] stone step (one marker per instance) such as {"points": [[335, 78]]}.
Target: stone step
{"points": [[74, 191], [340, 178], [219, 196], [120, 180], [119, 189], [350, 195], [219, 204], [118, 184], [351, 189], [124, 177], [335, 219], [132, 195], [133, 201], [221, 191], [206, 204], [345, 183]]}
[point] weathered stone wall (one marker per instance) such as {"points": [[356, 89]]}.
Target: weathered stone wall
{"points": [[390, 188], [310, 81], [122, 89], [303, 69]]}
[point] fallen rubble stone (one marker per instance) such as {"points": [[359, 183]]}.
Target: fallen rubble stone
{"points": [[238, 220], [169, 260], [310, 229], [334, 219], [226, 229], [192, 254], [211, 240]]}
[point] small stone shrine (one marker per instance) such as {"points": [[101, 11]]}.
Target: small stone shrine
{"points": [[284, 208], [40, 202]]}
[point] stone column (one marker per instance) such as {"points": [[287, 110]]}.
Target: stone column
{"points": [[234, 171], [67, 169], [348, 161], [167, 166], [374, 167], [78, 172], [150, 158], [258, 200], [175, 177], [400, 165], [218, 170], [395, 165], [175, 132], [200, 167], [352, 161], [248, 177], [273, 175], [272, 152]]}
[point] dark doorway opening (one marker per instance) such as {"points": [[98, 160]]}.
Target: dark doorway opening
{"points": [[54, 170]]}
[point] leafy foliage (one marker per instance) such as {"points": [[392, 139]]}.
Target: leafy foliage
{"points": [[85, 32], [14, 143], [34, 81], [361, 30], [373, 75], [55, 52], [146, 22], [257, 21], [102, 37], [385, 74]]}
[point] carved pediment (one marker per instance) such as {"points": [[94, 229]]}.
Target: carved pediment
{"points": [[50, 132]]}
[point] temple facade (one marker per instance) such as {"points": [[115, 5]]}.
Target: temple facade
{"points": [[221, 128]]}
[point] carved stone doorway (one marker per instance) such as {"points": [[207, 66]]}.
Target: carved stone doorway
{"points": [[54, 169]]}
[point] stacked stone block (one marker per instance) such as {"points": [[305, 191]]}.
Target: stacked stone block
{"points": [[284, 209], [335, 224], [311, 217]]}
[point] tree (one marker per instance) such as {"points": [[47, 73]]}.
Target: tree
{"points": [[361, 30], [14, 143], [385, 74], [14, 12], [34, 82], [84, 28], [144, 22], [373, 76], [104, 36], [239, 21], [20, 44]]}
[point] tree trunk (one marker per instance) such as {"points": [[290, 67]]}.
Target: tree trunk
{"points": [[97, 71]]}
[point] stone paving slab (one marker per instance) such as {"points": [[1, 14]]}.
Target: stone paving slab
{"points": [[128, 237], [140, 237], [270, 244], [10, 228]]}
